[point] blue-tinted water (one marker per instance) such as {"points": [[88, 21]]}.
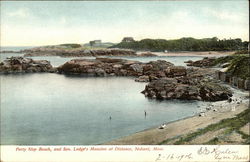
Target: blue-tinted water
{"points": [[14, 48], [57, 109]]}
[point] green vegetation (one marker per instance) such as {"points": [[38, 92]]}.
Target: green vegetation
{"points": [[238, 65], [185, 44], [242, 52], [222, 60], [72, 45], [232, 124]]}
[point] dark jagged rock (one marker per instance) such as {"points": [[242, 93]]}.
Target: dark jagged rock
{"points": [[175, 71], [210, 91], [116, 67], [205, 62], [147, 54], [197, 84], [169, 88], [25, 65]]}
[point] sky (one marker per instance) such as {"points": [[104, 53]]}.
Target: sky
{"points": [[34, 23]]}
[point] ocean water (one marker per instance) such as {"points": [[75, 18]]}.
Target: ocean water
{"points": [[14, 48], [57, 61], [57, 109], [51, 109]]}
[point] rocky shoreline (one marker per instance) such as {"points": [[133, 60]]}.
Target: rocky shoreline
{"points": [[233, 69], [166, 81], [78, 52], [25, 65], [205, 62]]}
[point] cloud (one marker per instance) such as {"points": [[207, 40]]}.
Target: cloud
{"points": [[21, 13], [224, 15], [177, 24]]}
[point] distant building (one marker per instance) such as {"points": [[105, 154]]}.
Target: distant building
{"points": [[128, 39], [95, 43]]}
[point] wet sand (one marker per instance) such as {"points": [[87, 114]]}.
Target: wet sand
{"points": [[188, 53]]}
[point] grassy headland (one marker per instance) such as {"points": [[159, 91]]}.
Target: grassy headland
{"points": [[238, 65], [227, 126]]}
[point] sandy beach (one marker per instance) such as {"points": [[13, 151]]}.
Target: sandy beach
{"points": [[189, 53], [182, 127]]}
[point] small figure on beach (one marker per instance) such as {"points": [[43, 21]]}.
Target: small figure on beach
{"points": [[110, 118], [145, 113], [201, 114], [162, 126]]}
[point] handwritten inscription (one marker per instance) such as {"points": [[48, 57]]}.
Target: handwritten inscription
{"points": [[221, 154], [174, 157]]}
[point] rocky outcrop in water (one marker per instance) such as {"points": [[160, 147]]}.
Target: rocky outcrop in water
{"points": [[78, 52], [205, 62], [147, 54], [166, 81], [25, 65], [186, 88], [116, 67]]}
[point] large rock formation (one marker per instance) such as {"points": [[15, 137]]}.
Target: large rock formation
{"points": [[169, 88], [166, 81], [205, 62], [186, 89], [25, 65], [116, 67], [78, 52]]}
